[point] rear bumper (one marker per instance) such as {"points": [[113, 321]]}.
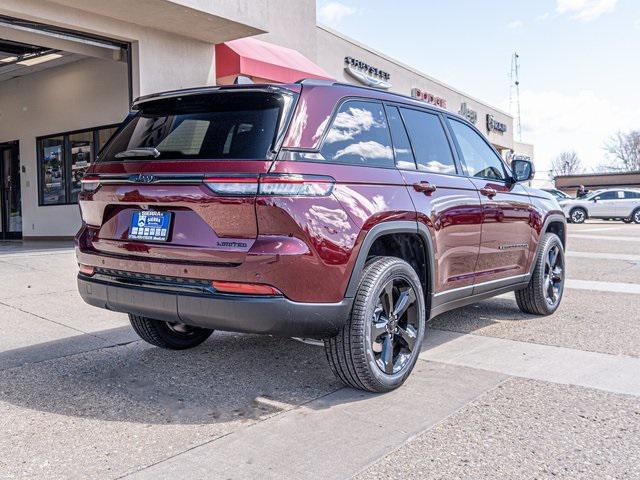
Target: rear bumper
{"points": [[236, 313]]}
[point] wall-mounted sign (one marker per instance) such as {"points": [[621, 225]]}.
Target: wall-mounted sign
{"points": [[467, 113], [366, 74], [495, 126], [428, 97]]}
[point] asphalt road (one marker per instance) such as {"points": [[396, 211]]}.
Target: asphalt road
{"points": [[495, 394]]}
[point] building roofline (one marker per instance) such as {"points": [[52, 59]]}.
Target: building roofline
{"points": [[407, 67], [604, 174]]}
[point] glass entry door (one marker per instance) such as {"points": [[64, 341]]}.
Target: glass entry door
{"points": [[10, 197]]}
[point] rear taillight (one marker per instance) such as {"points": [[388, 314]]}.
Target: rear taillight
{"points": [[86, 269], [232, 185], [89, 183], [288, 185], [245, 288], [296, 185]]}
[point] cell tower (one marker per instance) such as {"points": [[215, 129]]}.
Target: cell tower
{"points": [[514, 91]]}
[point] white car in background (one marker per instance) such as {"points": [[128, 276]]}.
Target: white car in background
{"points": [[615, 204]]}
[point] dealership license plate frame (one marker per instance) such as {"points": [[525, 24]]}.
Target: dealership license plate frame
{"points": [[150, 226]]}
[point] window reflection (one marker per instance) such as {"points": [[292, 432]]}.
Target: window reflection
{"points": [[359, 135], [52, 175], [81, 146]]}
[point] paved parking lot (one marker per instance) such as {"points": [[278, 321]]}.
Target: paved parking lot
{"points": [[496, 393]]}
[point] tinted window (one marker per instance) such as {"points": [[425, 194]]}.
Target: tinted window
{"points": [[401, 144], [607, 196], [220, 126], [52, 171], [81, 145], [430, 144], [478, 159], [628, 194], [359, 135]]}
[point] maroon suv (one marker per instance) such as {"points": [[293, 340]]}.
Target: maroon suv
{"points": [[315, 210]]}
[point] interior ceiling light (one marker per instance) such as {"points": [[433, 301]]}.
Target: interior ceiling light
{"points": [[41, 59]]}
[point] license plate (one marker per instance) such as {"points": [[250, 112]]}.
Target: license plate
{"points": [[150, 225]]}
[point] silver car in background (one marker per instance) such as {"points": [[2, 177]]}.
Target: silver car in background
{"points": [[614, 204]]}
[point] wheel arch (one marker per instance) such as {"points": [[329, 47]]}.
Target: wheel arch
{"points": [[383, 237], [554, 223]]}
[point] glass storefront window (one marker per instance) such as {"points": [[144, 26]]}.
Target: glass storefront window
{"points": [[52, 171], [81, 146], [63, 160]]}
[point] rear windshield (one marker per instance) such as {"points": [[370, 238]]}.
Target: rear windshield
{"points": [[221, 125]]}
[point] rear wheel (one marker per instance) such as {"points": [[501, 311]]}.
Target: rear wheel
{"points": [[636, 215], [379, 345], [543, 294], [173, 336], [578, 215]]}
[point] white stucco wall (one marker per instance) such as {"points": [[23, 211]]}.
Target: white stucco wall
{"points": [[83, 94]]}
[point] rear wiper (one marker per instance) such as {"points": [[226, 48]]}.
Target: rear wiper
{"points": [[139, 152]]}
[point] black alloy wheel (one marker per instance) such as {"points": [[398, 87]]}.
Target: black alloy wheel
{"points": [[553, 275], [394, 326], [378, 346]]}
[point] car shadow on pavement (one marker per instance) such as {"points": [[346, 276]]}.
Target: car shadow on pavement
{"points": [[230, 377], [480, 315]]}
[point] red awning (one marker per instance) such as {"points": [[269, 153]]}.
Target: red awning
{"points": [[254, 58]]}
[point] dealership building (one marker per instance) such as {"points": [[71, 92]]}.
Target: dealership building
{"points": [[69, 70]]}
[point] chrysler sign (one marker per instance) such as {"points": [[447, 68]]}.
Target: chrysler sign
{"points": [[366, 74]]}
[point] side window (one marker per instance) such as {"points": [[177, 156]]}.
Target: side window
{"points": [[607, 196], [401, 144], [359, 135], [478, 160], [629, 194], [430, 144]]}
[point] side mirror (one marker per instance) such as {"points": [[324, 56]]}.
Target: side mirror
{"points": [[523, 170]]}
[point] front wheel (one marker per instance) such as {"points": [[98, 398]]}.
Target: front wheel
{"points": [[378, 346], [543, 293], [173, 336], [636, 215], [578, 215]]}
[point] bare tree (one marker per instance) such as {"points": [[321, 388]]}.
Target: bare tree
{"points": [[567, 163], [625, 149]]}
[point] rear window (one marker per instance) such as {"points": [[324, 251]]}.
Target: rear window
{"points": [[221, 125]]}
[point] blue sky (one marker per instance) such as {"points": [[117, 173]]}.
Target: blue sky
{"points": [[580, 59]]}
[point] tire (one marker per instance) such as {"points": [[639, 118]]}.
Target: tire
{"points": [[540, 297], [627, 220], [578, 215], [636, 215], [375, 351], [172, 336]]}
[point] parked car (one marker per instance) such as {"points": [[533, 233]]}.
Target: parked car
{"points": [[559, 194], [315, 210], [608, 204]]}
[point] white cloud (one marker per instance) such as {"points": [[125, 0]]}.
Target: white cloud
{"points": [[555, 122], [333, 12], [637, 24], [515, 24], [542, 17], [585, 10]]}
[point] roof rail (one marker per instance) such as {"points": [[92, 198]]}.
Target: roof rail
{"points": [[316, 82]]}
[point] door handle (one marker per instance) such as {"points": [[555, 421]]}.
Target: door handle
{"points": [[488, 192], [424, 187]]}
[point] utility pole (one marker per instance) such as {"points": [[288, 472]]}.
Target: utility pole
{"points": [[514, 91]]}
